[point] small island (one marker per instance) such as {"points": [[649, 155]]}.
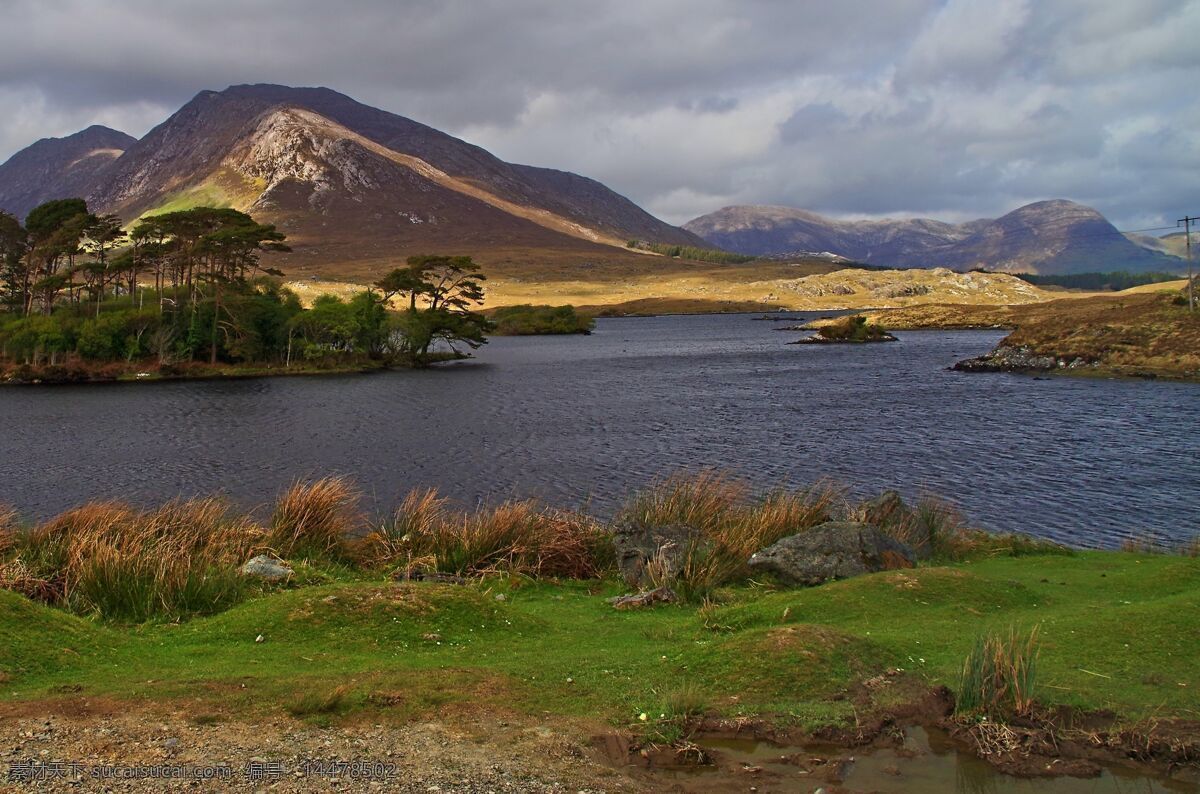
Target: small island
{"points": [[529, 320], [853, 329]]}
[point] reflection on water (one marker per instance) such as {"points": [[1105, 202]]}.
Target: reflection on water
{"points": [[575, 418], [927, 762]]}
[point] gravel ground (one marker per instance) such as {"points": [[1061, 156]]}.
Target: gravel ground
{"points": [[480, 755]]}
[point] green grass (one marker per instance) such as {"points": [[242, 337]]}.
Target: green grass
{"points": [[224, 188], [1116, 631]]}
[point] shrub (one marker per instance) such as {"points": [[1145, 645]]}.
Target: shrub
{"points": [[527, 320], [853, 328], [314, 519], [999, 675]]}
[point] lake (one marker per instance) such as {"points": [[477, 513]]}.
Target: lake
{"points": [[586, 419]]}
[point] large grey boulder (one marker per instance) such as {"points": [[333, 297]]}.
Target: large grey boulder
{"points": [[267, 568], [834, 550], [636, 545]]}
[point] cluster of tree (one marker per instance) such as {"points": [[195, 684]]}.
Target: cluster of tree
{"points": [[691, 252], [526, 320], [1098, 282], [189, 285]]}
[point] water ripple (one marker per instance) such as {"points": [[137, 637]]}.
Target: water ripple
{"points": [[576, 420]]}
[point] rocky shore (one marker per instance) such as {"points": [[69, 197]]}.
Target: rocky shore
{"points": [[1007, 358]]}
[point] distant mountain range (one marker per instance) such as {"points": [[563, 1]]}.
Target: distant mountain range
{"points": [[1045, 237], [354, 187]]}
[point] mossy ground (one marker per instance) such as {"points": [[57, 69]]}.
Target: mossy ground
{"points": [[1117, 632]]}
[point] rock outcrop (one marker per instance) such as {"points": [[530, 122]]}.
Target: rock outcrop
{"points": [[649, 598], [1010, 358], [267, 568], [637, 546], [834, 550]]}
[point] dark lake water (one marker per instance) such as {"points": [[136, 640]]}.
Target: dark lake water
{"points": [[571, 419]]}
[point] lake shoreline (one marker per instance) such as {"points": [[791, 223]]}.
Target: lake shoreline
{"points": [[519, 617]]}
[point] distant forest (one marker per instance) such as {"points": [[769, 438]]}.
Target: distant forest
{"points": [[1115, 281], [691, 252]]}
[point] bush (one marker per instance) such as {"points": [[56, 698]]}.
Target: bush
{"points": [[526, 320]]}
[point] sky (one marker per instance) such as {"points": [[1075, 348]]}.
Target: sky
{"points": [[953, 109]]}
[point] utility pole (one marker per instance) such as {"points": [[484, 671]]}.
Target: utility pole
{"points": [[1187, 236]]}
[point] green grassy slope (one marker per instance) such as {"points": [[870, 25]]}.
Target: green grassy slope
{"points": [[1117, 632]]}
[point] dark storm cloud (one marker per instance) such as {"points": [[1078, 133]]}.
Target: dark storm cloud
{"points": [[959, 108]]}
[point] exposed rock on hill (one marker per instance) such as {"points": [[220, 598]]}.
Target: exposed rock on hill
{"points": [[1045, 237], [352, 184]]}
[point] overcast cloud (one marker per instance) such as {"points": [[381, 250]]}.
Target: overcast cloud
{"points": [[956, 109]]}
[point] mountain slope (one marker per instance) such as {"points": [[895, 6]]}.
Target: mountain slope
{"points": [[184, 150], [1173, 244], [357, 188], [58, 168], [1044, 237]]}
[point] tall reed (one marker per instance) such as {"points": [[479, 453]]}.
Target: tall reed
{"points": [[999, 675], [518, 537], [315, 519], [109, 559]]}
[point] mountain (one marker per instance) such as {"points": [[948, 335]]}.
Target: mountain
{"points": [[1173, 244], [1044, 237], [59, 167], [357, 188]]}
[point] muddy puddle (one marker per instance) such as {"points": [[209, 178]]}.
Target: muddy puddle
{"points": [[928, 761]]}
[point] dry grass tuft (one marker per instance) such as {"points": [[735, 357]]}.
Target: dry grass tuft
{"points": [[110, 559], [9, 526], [320, 704], [315, 518], [522, 537], [1157, 544]]}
